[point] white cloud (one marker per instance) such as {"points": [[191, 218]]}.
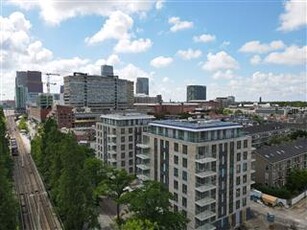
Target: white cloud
{"points": [[292, 55], [116, 27], [159, 4], [38, 53], [161, 61], [165, 79], [220, 61], [228, 74], [136, 46], [255, 60], [204, 38], [224, 44], [54, 12], [257, 47], [178, 25], [294, 16], [189, 54], [131, 72]]}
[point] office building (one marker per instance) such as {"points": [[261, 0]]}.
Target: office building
{"points": [[274, 163], [205, 164], [28, 84], [117, 136], [107, 71], [196, 93], [142, 86], [98, 93]]}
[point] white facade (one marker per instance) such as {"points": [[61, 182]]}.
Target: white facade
{"points": [[117, 136], [206, 165]]}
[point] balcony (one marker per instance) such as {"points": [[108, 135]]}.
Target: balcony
{"points": [[205, 215], [143, 156], [205, 201], [205, 188], [112, 160], [112, 143], [205, 160], [206, 227], [142, 177], [111, 135], [203, 174], [142, 146], [143, 167]]}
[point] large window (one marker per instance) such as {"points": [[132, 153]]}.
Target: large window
{"points": [[184, 149]]}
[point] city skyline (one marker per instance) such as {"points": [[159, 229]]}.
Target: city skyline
{"points": [[247, 50]]}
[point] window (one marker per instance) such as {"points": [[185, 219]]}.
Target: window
{"points": [[244, 178], [130, 130], [130, 154], [175, 208], [244, 167], [131, 170], [245, 144], [243, 202], [244, 190], [184, 175], [122, 130], [175, 197], [176, 147], [176, 159], [184, 162], [238, 192], [130, 162], [213, 149], [130, 138], [238, 168], [244, 155], [239, 145], [238, 156], [122, 147], [184, 202], [238, 180], [122, 155], [130, 146], [122, 139], [184, 188], [175, 184], [184, 149], [175, 172], [237, 204], [123, 163]]}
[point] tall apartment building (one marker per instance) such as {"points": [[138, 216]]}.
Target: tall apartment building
{"points": [[205, 164], [97, 92], [142, 86], [28, 84], [117, 136], [196, 93]]}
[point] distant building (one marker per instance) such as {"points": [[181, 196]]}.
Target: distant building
{"points": [[206, 165], [44, 100], [274, 163], [28, 84], [263, 133], [63, 115], [97, 92], [117, 136], [142, 98], [196, 92], [142, 86], [107, 71]]}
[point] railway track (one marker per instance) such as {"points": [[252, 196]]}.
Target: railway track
{"points": [[36, 211]]}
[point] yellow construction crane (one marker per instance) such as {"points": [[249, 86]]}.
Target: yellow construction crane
{"points": [[48, 83]]}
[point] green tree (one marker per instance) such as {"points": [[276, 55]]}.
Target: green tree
{"points": [[138, 224], [23, 124], [8, 204], [297, 180], [152, 202], [114, 187]]}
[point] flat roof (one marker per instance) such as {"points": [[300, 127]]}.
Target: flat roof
{"points": [[283, 151], [127, 116], [195, 125]]}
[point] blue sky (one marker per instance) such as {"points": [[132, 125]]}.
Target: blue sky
{"points": [[243, 48]]}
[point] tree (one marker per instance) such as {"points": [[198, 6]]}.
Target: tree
{"points": [[114, 186], [138, 224], [297, 180], [152, 202], [8, 204]]}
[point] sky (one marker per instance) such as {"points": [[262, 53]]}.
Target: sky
{"points": [[247, 49]]}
